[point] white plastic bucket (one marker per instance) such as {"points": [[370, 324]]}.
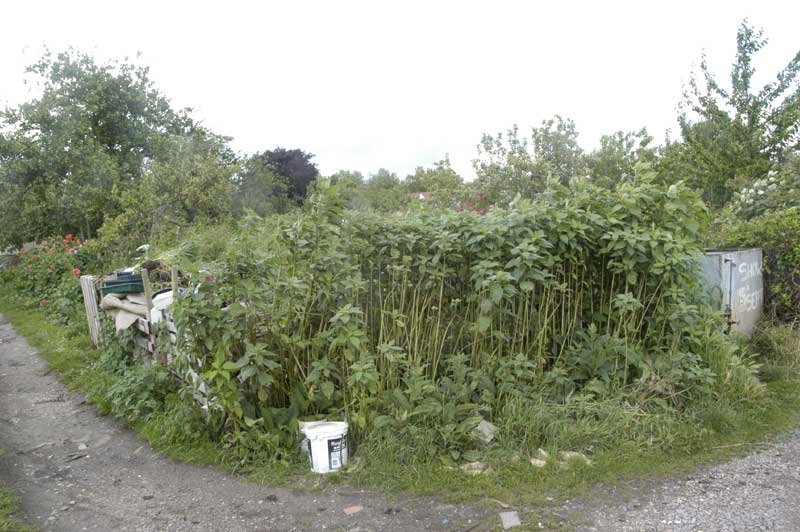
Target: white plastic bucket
{"points": [[326, 444]]}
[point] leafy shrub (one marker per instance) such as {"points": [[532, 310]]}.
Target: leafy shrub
{"points": [[780, 190], [778, 234], [424, 324], [415, 328], [47, 276]]}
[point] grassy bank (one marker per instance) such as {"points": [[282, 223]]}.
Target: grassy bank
{"points": [[631, 444]]}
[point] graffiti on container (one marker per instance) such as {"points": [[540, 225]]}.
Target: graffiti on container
{"points": [[748, 270], [749, 299], [751, 295]]}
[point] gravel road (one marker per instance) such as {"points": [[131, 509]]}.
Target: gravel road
{"points": [[759, 491], [77, 471]]}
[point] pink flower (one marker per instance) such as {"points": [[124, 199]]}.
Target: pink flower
{"points": [[75, 272]]}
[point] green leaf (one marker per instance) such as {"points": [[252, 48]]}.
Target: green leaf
{"points": [[247, 372], [327, 389], [497, 294], [250, 422], [355, 341]]}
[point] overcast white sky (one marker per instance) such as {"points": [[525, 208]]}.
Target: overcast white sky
{"points": [[398, 84]]}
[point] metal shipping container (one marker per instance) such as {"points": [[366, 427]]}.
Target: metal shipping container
{"points": [[735, 285]]}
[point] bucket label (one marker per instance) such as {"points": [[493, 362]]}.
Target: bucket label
{"points": [[337, 452]]}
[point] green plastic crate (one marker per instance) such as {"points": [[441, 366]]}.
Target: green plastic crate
{"points": [[123, 288]]}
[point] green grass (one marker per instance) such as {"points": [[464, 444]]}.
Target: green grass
{"points": [[9, 505], [516, 481], [708, 432]]}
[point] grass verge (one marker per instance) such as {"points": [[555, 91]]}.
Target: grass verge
{"points": [[712, 432], [9, 505]]}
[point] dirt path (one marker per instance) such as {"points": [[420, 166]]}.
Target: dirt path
{"points": [[77, 471]]}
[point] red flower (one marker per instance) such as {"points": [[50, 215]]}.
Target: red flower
{"points": [[68, 237], [75, 272], [33, 257], [210, 278], [43, 302], [65, 241]]}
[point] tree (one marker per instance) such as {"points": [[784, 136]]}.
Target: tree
{"points": [[556, 150], [260, 189], [354, 178], [509, 167], [65, 156], [440, 177], [618, 155], [194, 184], [294, 167], [443, 184], [505, 168], [734, 136], [383, 192], [350, 186]]}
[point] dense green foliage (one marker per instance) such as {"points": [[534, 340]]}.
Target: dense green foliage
{"points": [[554, 296], [65, 154], [441, 318]]}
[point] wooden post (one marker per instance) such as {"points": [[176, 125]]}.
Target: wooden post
{"points": [[170, 325], [173, 277], [148, 295], [90, 303], [148, 291]]}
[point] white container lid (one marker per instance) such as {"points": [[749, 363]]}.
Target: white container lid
{"points": [[324, 429]]}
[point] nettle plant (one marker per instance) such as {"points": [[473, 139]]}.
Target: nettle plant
{"points": [[429, 322]]}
